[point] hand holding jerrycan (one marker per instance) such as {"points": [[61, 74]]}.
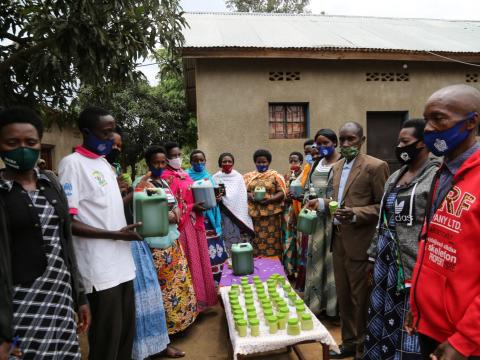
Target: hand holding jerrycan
{"points": [[259, 193], [150, 207], [307, 220]]}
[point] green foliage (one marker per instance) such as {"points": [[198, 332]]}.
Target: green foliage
{"points": [[268, 6], [147, 116], [48, 48]]}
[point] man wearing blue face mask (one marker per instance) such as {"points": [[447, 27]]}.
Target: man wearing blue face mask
{"points": [[445, 298], [101, 237]]}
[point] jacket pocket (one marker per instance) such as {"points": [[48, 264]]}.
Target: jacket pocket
{"points": [[430, 297]]}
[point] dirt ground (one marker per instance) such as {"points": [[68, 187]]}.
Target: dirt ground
{"points": [[208, 339]]}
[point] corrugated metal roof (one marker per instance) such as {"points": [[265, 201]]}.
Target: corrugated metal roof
{"points": [[280, 31]]}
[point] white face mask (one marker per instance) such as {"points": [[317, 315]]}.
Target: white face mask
{"points": [[175, 163]]}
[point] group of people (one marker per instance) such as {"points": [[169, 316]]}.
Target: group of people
{"points": [[394, 258]]}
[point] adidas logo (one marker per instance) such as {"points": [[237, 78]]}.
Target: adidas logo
{"points": [[399, 207]]}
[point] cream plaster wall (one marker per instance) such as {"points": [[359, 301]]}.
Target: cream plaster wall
{"points": [[233, 97]]}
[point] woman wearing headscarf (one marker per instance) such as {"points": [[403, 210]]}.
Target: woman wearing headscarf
{"points": [[237, 225], [320, 292], [191, 227], [394, 248], [162, 274], [266, 213], [212, 217]]}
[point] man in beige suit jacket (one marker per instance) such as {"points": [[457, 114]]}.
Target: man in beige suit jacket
{"points": [[357, 183]]}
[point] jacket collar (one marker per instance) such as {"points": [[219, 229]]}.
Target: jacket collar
{"points": [[82, 150], [7, 185]]}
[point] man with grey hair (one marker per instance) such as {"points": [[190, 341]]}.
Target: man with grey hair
{"points": [[445, 295]]}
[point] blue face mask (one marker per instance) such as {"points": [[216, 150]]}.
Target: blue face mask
{"points": [[442, 143], [309, 159], [262, 168], [156, 173], [326, 151], [99, 147], [198, 167]]}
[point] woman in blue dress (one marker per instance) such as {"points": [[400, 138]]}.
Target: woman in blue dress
{"points": [[394, 249]]}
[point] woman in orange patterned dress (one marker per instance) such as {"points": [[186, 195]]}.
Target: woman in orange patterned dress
{"points": [[266, 213]]}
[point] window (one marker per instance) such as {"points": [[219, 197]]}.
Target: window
{"points": [[288, 121]]}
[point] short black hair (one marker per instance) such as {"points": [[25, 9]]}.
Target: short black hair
{"points": [[329, 134], [21, 114], [152, 150], [309, 142], [171, 145], [197, 151], [417, 124], [300, 155], [89, 117], [223, 155], [262, 152]]}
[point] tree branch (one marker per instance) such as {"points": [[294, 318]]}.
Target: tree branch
{"points": [[14, 38], [5, 65]]}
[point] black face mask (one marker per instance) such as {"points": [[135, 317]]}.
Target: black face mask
{"points": [[407, 154], [112, 156]]}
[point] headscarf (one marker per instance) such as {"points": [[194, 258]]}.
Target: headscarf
{"points": [[213, 214]]}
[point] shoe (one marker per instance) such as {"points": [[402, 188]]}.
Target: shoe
{"points": [[344, 352]]}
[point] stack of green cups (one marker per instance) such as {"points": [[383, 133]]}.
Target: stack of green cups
{"points": [[254, 327], [272, 322], [282, 320], [242, 327]]}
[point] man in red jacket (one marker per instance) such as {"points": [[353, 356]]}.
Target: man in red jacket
{"points": [[445, 297]]}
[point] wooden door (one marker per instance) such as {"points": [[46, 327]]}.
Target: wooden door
{"points": [[382, 135]]}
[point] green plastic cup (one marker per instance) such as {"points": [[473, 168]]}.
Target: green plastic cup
{"points": [[293, 328], [307, 322], [282, 320], [272, 322], [254, 324], [242, 328], [332, 206]]}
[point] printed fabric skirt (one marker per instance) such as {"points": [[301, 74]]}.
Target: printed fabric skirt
{"points": [[175, 281], [216, 251], [232, 234], [268, 239], [386, 338], [194, 243], [151, 335]]}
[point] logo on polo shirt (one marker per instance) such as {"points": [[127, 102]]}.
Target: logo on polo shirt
{"points": [[100, 178], [68, 189]]}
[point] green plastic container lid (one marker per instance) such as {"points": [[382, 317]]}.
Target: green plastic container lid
{"points": [[238, 312], [235, 286], [293, 321], [281, 303], [292, 294], [267, 312], [298, 302], [284, 309], [251, 308], [249, 302], [281, 315], [237, 317], [272, 319], [241, 322], [300, 307], [306, 316], [252, 315], [265, 301], [254, 322], [236, 306], [262, 296], [249, 296]]}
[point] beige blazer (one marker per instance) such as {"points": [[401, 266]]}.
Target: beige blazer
{"points": [[363, 193]]}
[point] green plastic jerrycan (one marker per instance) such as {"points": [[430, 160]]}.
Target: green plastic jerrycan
{"points": [[150, 207], [242, 259], [204, 192], [259, 193], [307, 220]]}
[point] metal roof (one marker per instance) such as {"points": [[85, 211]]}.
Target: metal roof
{"points": [[281, 31]]}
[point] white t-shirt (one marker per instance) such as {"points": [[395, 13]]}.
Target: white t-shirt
{"points": [[94, 198]]}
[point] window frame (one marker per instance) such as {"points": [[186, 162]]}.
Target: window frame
{"points": [[306, 110]]}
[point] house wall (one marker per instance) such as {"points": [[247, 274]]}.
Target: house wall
{"points": [[233, 97]]}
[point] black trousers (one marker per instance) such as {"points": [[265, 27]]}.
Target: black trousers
{"points": [[113, 323], [428, 346]]}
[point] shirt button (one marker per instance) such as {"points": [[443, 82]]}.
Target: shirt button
{"points": [[42, 188], [54, 201], [30, 205]]}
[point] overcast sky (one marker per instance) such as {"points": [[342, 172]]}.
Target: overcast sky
{"points": [[433, 9]]}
